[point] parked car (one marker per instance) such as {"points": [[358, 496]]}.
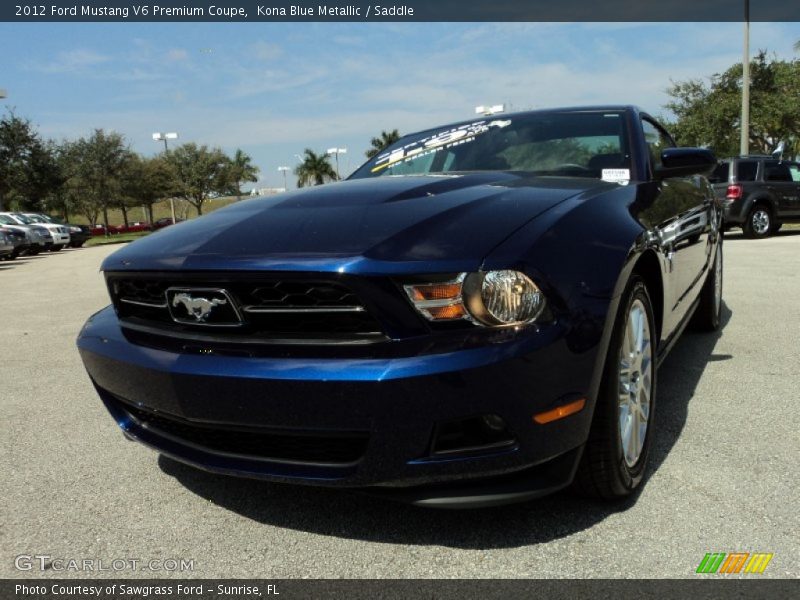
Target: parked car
{"points": [[36, 237], [19, 239], [59, 235], [6, 246], [78, 234], [132, 227], [475, 317], [165, 222], [760, 193]]}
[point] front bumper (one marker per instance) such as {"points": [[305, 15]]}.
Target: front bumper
{"points": [[396, 404]]}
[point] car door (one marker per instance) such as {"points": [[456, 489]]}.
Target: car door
{"points": [[780, 183], [685, 234]]}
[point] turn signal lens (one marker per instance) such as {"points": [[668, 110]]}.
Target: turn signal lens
{"points": [[452, 311], [439, 301], [437, 291], [560, 412]]}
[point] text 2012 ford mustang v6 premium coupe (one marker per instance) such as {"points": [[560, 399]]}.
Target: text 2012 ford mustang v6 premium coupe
{"points": [[474, 317]]}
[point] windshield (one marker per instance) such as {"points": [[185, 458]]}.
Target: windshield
{"points": [[574, 144], [6, 220], [35, 219], [22, 219]]}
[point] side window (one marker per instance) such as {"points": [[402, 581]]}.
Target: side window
{"points": [[720, 174], [746, 170], [657, 139], [776, 172], [794, 170]]}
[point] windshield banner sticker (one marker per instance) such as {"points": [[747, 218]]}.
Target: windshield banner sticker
{"points": [[621, 176], [438, 141]]}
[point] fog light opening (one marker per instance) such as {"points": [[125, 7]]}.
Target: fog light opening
{"points": [[472, 435], [494, 422]]}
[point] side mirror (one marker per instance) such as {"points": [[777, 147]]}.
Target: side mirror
{"points": [[681, 162]]}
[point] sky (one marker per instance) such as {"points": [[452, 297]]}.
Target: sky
{"points": [[273, 89]]}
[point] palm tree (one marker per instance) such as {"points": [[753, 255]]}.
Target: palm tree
{"points": [[384, 141], [242, 169], [314, 170]]}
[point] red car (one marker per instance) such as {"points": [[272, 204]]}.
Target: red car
{"points": [[164, 222], [131, 228]]}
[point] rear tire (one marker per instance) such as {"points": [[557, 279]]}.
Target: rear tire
{"points": [[615, 457], [759, 222], [707, 315]]}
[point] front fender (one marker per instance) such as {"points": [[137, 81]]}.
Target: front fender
{"points": [[582, 254]]}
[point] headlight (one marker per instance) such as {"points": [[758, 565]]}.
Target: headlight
{"points": [[493, 298], [503, 298]]}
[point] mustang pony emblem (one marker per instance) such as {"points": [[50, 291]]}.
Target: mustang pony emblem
{"points": [[199, 308]]}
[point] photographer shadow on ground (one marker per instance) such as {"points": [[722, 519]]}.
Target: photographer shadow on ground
{"points": [[341, 513]]}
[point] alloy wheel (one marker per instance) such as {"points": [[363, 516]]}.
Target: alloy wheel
{"points": [[635, 383], [760, 220]]}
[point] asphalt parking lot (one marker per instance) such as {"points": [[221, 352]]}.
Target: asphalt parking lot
{"points": [[723, 479]]}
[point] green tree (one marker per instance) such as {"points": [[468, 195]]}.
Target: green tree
{"points": [[44, 177], [315, 169], [72, 196], [385, 140], [242, 169], [98, 169], [199, 172], [20, 150], [148, 180], [708, 113]]}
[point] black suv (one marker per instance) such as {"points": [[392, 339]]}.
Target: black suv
{"points": [[759, 193]]}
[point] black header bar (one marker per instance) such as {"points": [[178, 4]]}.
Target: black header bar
{"points": [[398, 11]]}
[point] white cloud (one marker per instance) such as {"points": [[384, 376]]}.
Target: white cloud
{"points": [[72, 61], [177, 54], [264, 51]]}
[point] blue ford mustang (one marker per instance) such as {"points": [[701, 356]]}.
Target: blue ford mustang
{"points": [[474, 317]]}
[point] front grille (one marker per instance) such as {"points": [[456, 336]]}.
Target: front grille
{"points": [[292, 447], [266, 308]]}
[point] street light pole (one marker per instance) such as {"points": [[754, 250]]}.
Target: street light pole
{"points": [[744, 140], [163, 137], [336, 152], [285, 185]]}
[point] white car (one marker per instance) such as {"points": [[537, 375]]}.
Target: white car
{"points": [[60, 233]]}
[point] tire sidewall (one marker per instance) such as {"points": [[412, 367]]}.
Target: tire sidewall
{"points": [[628, 478], [716, 307]]}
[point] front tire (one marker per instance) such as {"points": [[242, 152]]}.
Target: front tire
{"points": [[615, 456], [759, 222], [707, 315]]}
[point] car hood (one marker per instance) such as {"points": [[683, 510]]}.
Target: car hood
{"points": [[383, 225]]}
